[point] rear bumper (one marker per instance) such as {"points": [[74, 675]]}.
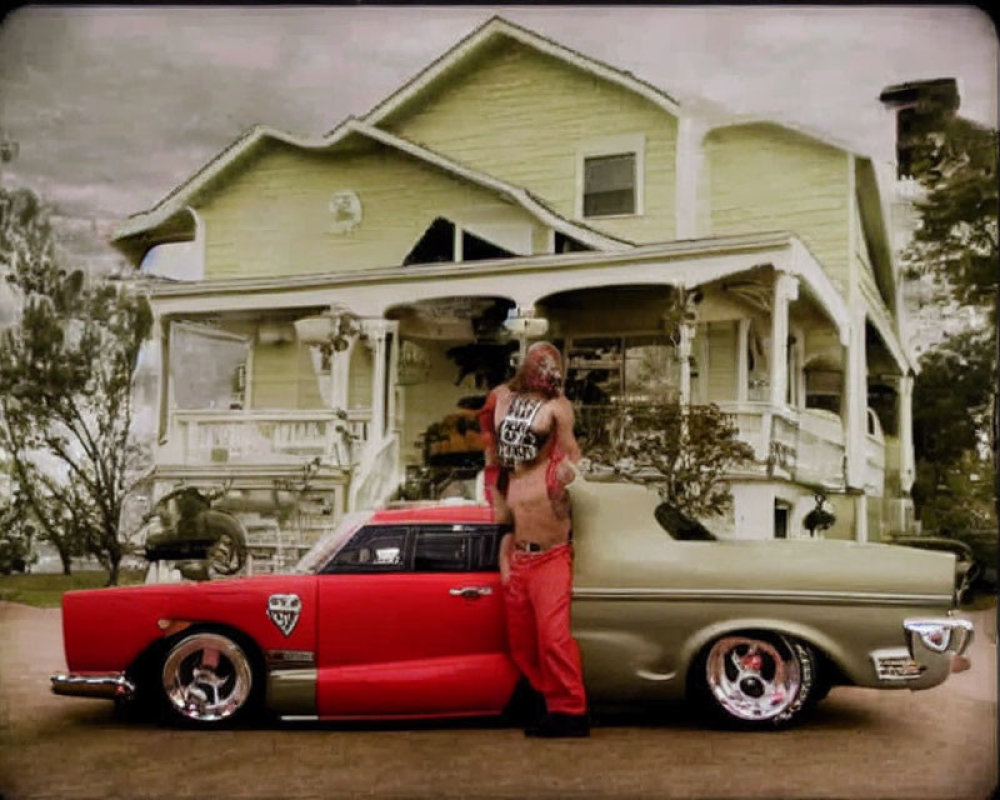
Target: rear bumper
{"points": [[111, 686], [935, 648]]}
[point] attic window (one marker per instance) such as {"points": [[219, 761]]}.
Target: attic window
{"points": [[610, 177], [438, 245]]}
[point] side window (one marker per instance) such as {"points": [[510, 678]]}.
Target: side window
{"points": [[375, 549], [486, 548], [441, 549]]}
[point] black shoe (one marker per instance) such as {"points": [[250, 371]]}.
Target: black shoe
{"points": [[555, 726], [527, 706]]}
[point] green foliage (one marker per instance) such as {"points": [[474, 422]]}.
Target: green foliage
{"points": [[951, 396], [957, 237], [956, 243], [66, 370], [686, 452]]}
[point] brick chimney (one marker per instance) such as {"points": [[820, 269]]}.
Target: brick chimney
{"points": [[922, 109]]}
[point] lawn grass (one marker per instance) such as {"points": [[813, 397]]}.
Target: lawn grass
{"points": [[45, 590]]}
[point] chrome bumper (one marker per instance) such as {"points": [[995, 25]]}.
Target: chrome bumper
{"points": [[113, 686], [935, 648]]}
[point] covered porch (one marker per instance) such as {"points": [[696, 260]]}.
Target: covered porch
{"points": [[362, 373]]}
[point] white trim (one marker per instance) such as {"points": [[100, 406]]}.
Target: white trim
{"points": [[747, 120], [497, 26], [623, 145], [881, 318], [690, 163]]}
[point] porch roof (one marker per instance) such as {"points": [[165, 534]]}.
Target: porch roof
{"points": [[525, 280]]}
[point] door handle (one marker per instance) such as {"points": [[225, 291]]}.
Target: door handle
{"points": [[470, 591]]}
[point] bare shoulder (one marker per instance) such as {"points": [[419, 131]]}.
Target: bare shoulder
{"points": [[562, 407]]}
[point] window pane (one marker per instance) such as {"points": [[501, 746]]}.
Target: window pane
{"points": [[441, 552], [372, 549], [207, 370], [609, 185]]}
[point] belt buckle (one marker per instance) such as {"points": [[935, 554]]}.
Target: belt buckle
{"points": [[530, 547]]}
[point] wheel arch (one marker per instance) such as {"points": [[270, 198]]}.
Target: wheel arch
{"points": [[152, 656], [827, 651]]}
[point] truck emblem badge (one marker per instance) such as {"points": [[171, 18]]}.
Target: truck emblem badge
{"points": [[283, 610]]}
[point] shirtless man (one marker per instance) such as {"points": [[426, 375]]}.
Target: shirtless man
{"points": [[530, 451]]}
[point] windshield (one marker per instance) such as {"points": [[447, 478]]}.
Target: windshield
{"points": [[326, 547]]}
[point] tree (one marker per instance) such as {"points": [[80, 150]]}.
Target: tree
{"points": [[686, 452], [956, 244], [952, 395], [66, 372]]}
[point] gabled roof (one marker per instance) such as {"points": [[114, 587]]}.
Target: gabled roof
{"points": [[178, 200], [497, 27]]}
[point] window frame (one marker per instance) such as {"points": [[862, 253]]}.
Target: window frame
{"points": [[627, 144], [479, 556]]}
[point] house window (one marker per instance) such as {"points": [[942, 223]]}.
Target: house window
{"points": [[208, 367], [609, 185], [610, 177]]}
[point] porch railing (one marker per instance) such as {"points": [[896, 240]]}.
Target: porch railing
{"points": [[266, 437], [806, 446]]}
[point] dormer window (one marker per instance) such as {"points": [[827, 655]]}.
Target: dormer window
{"points": [[609, 177]]}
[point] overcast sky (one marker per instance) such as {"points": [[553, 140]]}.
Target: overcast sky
{"points": [[114, 106]]}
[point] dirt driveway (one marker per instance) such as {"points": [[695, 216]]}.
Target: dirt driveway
{"points": [[939, 743]]}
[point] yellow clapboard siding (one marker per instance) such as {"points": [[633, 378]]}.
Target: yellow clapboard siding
{"points": [[763, 177], [273, 216], [521, 115], [284, 377], [721, 361]]}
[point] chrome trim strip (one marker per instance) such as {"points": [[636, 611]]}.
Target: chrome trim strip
{"points": [[277, 659], [299, 718], [112, 686], [787, 595]]}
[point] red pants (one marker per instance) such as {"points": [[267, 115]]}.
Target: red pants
{"points": [[537, 598]]}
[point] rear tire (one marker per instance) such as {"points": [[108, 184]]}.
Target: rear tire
{"points": [[756, 680], [208, 679]]}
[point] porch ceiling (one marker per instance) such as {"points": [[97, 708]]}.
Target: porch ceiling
{"points": [[524, 281]]}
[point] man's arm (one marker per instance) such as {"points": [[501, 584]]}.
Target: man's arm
{"points": [[565, 420], [503, 556]]}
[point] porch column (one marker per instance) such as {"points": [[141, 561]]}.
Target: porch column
{"points": [[378, 331], [742, 361], [907, 466], [861, 517], [786, 289], [684, 354], [856, 401], [340, 370], [522, 322], [161, 341]]}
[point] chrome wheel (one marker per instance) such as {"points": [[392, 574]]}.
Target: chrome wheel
{"points": [[754, 679], [207, 678]]}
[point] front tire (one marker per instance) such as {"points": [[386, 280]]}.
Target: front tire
{"points": [[757, 680], [207, 679]]}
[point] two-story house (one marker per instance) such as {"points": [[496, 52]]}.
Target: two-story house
{"points": [[357, 291]]}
